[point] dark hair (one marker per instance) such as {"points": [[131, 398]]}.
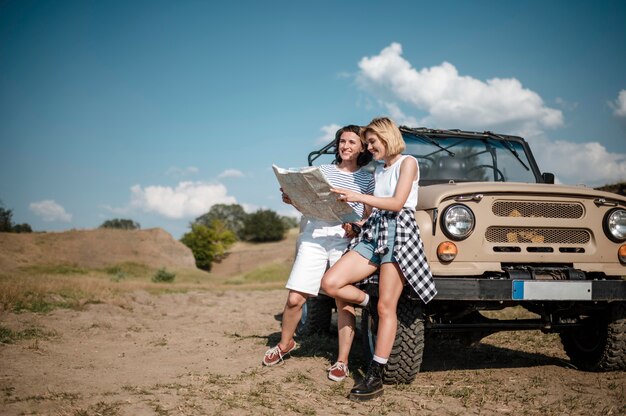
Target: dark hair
{"points": [[364, 157]]}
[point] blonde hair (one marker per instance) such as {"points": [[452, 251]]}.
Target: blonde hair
{"points": [[388, 133]]}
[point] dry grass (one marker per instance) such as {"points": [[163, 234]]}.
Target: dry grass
{"points": [[9, 336], [41, 272], [44, 288]]}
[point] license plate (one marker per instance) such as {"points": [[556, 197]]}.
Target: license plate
{"points": [[551, 290]]}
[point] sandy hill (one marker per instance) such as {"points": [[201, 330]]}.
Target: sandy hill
{"points": [[94, 249], [244, 257], [155, 248]]}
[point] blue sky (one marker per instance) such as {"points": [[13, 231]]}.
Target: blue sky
{"points": [[156, 110]]}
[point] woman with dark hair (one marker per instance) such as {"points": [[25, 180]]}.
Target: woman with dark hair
{"points": [[320, 245]]}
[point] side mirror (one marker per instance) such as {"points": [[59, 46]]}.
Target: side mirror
{"points": [[547, 177]]}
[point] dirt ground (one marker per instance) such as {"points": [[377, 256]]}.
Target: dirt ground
{"points": [[200, 352]]}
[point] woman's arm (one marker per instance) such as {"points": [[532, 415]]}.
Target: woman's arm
{"points": [[408, 173]]}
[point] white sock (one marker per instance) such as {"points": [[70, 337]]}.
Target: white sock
{"points": [[365, 301], [380, 360]]}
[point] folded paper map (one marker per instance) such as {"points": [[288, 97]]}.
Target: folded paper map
{"points": [[310, 193]]}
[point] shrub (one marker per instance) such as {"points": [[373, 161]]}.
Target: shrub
{"points": [[208, 244], [264, 225], [22, 228], [163, 275], [232, 216], [7, 225], [290, 222], [121, 223]]}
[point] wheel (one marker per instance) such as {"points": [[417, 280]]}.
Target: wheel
{"points": [[408, 348], [600, 344], [316, 317]]}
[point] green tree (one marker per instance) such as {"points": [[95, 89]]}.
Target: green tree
{"points": [[231, 215], [289, 222], [264, 225], [21, 228], [120, 223], [208, 244], [6, 224]]}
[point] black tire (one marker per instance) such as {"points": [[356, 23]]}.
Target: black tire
{"points": [[408, 348], [599, 345], [317, 314]]}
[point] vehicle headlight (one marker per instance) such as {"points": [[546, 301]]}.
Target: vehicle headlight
{"points": [[458, 222], [615, 224]]}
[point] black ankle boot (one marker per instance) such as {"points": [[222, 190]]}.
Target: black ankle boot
{"points": [[372, 384]]}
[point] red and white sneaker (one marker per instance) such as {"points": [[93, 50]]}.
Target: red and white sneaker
{"points": [[338, 371], [275, 354]]}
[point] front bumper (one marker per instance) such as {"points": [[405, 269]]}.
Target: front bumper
{"points": [[504, 289]]}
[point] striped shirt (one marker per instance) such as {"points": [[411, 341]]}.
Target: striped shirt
{"points": [[360, 181]]}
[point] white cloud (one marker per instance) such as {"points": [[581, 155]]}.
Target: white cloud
{"points": [[619, 105], [250, 208], [177, 172], [187, 200], [579, 163], [398, 115], [328, 133], [231, 173], [50, 211], [452, 100]]}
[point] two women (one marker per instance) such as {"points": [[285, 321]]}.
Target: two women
{"points": [[389, 241]]}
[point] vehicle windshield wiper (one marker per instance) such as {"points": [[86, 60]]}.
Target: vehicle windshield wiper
{"points": [[508, 145], [421, 135]]}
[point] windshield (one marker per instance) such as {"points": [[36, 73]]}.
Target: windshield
{"points": [[462, 159]]}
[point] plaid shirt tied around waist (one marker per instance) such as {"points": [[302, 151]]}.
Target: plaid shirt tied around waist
{"points": [[408, 249]]}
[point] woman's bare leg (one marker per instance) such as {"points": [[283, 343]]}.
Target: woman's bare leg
{"points": [[346, 322], [339, 279], [390, 287], [291, 316]]}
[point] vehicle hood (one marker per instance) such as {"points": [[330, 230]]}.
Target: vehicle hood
{"points": [[432, 195]]}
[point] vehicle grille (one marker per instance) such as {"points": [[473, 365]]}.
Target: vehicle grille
{"points": [[537, 209], [537, 235]]}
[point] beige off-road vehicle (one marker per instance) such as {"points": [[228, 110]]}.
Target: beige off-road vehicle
{"points": [[499, 233]]}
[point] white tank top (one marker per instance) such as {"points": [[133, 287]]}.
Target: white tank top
{"points": [[386, 179]]}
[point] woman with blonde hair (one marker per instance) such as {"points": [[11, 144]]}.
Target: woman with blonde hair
{"points": [[389, 240]]}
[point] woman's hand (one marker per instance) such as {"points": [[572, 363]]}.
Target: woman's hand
{"points": [[346, 195], [285, 197], [352, 229]]}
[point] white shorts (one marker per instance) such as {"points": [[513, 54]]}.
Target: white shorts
{"points": [[315, 254]]}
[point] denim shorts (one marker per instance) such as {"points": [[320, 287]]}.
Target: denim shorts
{"points": [[366, 248]]}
